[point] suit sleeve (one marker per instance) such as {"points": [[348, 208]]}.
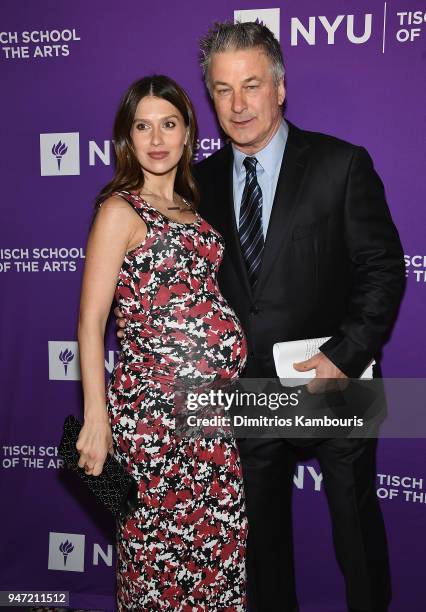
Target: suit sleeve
{"points": [[375, 250]]}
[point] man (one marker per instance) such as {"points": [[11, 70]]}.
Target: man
{"points": [[311, 251]]}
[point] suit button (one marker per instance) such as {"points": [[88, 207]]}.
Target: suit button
{"points": [[254, 310]]}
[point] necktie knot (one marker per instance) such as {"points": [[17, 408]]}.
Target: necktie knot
{"points": [[250, 164]]}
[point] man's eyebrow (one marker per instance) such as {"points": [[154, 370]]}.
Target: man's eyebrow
{"points": [[250, 78], [147, 121]]}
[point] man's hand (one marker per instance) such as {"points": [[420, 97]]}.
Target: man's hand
{"points": [[328, 377], [120, 322]]}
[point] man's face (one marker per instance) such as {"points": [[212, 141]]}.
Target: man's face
{"points": [[247, 99]]}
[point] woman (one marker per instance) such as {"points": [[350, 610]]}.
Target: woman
{"points": [[183, 548]]}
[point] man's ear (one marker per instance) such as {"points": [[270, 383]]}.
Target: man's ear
{"points": [[281, 92]]}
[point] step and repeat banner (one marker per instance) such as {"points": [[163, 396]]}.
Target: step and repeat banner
{"points": [[355, 69]]}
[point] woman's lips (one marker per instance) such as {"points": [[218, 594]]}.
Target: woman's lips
{"points": [[158, 154]]}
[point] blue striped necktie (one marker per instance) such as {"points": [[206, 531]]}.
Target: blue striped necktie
{"points": [[250, 226]]}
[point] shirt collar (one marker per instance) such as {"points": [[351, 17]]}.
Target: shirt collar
{"points": [[266, 157]]}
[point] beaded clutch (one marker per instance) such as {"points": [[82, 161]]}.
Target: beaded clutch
{"points": [[114, 487]]}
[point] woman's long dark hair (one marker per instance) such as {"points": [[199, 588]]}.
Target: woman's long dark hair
{"points": [[128, 172]]}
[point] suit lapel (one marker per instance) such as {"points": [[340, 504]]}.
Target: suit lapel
{"points": [[290, 180], [227, 224]]}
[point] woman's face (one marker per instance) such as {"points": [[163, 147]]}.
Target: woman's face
{"points": [[158, 134]]}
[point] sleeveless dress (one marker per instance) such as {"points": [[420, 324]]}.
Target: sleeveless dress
{"points": [[183, 548]]}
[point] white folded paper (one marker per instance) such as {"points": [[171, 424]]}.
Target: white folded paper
{"points": [[287, 353]]}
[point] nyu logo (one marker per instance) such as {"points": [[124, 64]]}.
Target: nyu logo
{"points": [[59, 154], [67, 552], [59, 150], [315, 29], [314, 477], [308, 31], [66, 548], [268, 17], [66, 356], [64, 360]]}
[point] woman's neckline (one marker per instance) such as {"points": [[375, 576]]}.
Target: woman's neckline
{"points": [[169, 219]]}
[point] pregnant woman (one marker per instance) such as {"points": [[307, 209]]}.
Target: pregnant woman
{"points": [[183, 548]]}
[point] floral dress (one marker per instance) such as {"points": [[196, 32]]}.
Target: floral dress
{"points": [[183, 548]]}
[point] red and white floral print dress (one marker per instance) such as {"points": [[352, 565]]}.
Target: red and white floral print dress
{"points": [[183, 548]]}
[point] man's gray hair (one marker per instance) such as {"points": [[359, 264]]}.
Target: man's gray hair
{"points": [[227, 36]]}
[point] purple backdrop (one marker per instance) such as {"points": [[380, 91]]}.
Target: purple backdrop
{"points": [[356, 70]]}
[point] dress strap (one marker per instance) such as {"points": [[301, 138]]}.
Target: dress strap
{"points": [[138, 205]]}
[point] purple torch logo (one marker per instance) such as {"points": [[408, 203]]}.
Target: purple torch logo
{"points": [[66, 548], [66, 356], [59, 150]]}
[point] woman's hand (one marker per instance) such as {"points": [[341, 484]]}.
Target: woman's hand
{"points": [[94, 443]]}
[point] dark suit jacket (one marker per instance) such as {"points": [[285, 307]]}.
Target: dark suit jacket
{"points": [[332, 264]]}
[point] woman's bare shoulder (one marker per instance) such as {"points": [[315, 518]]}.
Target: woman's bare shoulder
{"points": [[116, 209], [114, 202], [116, 220]]}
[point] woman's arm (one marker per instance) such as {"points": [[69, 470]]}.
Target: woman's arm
{"points": [[111, 234]]}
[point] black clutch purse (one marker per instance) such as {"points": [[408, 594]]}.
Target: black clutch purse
{"points": [[114, 487]]}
